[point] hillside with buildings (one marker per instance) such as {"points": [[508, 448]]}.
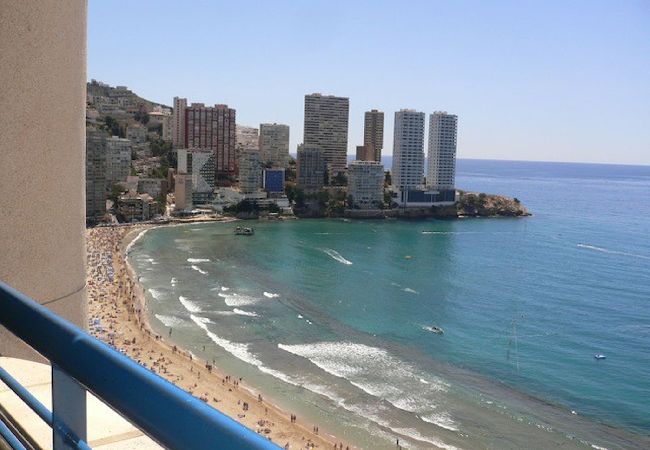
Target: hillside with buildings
{"points": [[146, 160]]}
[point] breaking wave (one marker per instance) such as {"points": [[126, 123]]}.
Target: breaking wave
{"points": [[237, 300], [169, 321], [189, 305], [155, 293]]}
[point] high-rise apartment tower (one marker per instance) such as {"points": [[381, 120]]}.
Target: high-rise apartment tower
{"points": [[326, 127], [408, 150], [373, 134], [441, 173]]}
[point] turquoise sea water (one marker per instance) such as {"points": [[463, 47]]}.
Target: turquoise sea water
{"points": [[330, 317]]}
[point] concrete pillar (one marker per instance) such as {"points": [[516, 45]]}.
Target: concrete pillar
{"points": [[42, 153]]}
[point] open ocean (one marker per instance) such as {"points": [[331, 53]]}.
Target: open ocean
{"points": [[330, 317]]}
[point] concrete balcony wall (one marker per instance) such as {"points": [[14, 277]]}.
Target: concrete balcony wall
{"points": [[42, 154]]}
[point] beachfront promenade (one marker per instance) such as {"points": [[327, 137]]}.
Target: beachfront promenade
{"points": [[117, 316]]}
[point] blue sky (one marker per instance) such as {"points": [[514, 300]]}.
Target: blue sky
{"points": [[546, 80]]}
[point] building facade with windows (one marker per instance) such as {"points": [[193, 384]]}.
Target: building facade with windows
{"points": [[199, 165], [274, 144], [326, 127], [441, 171], [178, 122], [310, 168], [214, 128], [408, 150], [373, 134], [250, 171], [366, 184], [95, 174], [118, 159]]}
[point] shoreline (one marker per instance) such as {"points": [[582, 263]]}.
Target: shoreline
{"points": [[130, 320]]}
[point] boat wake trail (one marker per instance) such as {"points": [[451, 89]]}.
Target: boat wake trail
{"points": [[611, 252], [337, 256]]}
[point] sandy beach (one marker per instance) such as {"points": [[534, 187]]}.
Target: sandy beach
{"points": [[117, 316]]}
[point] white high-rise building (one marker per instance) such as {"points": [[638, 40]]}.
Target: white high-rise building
{"points": [[441, 172], [118, 160], [326, 127], [408, 150], [178, 122], [274, 144], [366, 184]]}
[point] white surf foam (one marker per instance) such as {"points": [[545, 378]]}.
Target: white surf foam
{"points": [[236, 349], [241, 312], [415, 434], [169, 321], [198, 269], [611, 252], [374, 371], [270, 295], [155, 293], [237, 300], [224, 288], [130, 246], [337, 256], [442, 420], [197, 260], [189, 305]]}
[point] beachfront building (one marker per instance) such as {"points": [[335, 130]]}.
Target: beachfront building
{"points": [[250, 172], [326, 127], [366, 184], [408, 150], [134, 207], [118, 159], [274, 144], [198, 164], [137, 134], [183, 192], [310, 167], [178, 122], [373, 135], [441, 173], [213, 127], [95, 174]]}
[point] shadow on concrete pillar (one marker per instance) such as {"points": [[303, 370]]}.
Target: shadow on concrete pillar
{"points": [[42, 153]]}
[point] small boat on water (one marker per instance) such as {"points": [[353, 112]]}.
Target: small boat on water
{"points": [[600, 356], [244, 231], [434, 329]]}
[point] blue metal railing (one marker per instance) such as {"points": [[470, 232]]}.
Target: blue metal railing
{"points": [[164, 412]]}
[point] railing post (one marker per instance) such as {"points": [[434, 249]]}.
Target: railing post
{"points": [[68, 409]]}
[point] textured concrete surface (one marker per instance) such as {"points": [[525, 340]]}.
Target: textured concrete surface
{"points": [[106, 429], [42, 153]]}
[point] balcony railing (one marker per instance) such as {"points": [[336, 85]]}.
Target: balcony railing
{"points": [[81, 363]]}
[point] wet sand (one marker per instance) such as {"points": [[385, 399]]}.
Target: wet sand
{"points": [[117, 315]]}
